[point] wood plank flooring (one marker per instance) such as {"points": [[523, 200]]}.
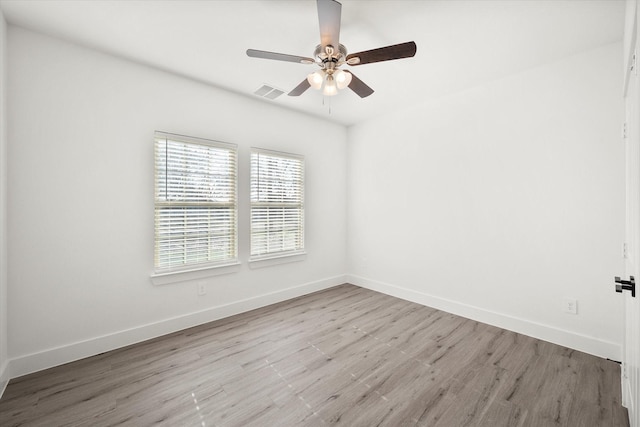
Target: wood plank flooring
{"points": [[344, 356]]}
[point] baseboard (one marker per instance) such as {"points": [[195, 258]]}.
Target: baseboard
{"points": [[4, 377], [68, 353], [548, 333]]}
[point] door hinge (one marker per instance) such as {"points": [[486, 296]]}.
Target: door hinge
{"points": [[633, 67], [626, 285], [624, 130]]}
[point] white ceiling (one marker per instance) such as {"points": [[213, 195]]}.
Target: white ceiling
{"points": [[461, 44]]}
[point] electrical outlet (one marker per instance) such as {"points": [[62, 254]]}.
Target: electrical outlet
{"points": [[202, 288], [570, 305]]}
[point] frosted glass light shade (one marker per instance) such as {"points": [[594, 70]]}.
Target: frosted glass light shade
{"points": [[316, 79], [343, 79], [330, 87]]}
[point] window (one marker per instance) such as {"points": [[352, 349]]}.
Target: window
{"points": [[277, 204], [195, 203]]}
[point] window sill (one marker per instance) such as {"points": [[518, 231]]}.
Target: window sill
{"points": [[277, 260], [194, 274]]}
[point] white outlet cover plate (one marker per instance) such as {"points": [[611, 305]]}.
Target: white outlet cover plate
{"points": [[570, 305]]}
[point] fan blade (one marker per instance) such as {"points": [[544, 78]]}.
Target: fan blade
{"points": [[358, 86], [396, 51], [300, 89], [279, 56], [329, 12]]}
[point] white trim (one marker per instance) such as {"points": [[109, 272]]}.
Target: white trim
{"points": [[195, 140], [628, 42], [627, 402], [34, 362], [277, 153], [178, 276], [274, 259], [585, 343], [4, 306], [4, 377]]}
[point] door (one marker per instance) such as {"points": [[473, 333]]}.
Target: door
{"points": [[631, 344]]}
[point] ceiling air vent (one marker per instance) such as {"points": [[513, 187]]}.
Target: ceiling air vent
{"points": [[268, 92]]}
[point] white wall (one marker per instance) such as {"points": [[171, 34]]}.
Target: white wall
{"points": [[4, 371], [80, 205], [498, 202]]}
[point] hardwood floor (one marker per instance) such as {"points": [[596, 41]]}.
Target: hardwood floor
{"points": [[344, 356]]}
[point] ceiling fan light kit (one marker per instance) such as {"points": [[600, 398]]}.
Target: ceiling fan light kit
{"points": [[343, 78], [329, 82], [330, 87], [330, 78], [316, 79]]}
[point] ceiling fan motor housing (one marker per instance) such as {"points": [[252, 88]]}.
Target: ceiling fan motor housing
{"points": [[328, 55]]}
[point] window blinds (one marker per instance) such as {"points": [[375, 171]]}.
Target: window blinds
{"points": [[277, 203], [195, 202]]}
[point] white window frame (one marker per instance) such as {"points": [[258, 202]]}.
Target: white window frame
{"points": [[201, 259], [258, 252]]}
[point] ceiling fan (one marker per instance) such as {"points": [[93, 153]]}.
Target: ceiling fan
{"points": [[330, 55]]}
